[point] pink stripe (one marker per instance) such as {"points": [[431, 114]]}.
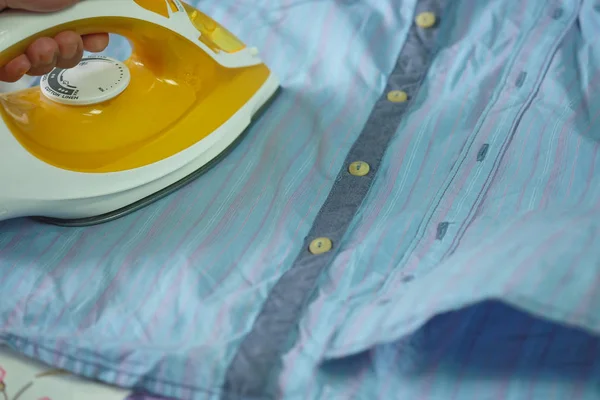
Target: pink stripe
{"points": [[574, 166], [534, 165], [127, 263], [124, 267], [516, 277], [557, 163], [99, 267], [570, 273], [19, 307], [16, 239], [591, 293], [541, 136], [519, 163], [591, 174], [525, 266], [595, 81], [520, 157]]}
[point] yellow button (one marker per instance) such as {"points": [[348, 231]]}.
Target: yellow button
{"points": [[320, 246], [359, 168], [397, 96], [425, 19]]}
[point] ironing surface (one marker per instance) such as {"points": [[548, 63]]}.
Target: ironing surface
{"points": [[415, 217]]}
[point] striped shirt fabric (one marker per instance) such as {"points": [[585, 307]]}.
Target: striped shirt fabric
{"points": [[465, 263]]}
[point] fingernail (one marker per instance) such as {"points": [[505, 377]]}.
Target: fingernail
{"points": [[52, 61], [70, 51], [23, 69], [44, 60]]}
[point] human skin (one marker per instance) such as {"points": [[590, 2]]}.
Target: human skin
{"points": [[63, 50]]}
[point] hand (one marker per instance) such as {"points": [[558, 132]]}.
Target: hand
{"points": [[64, 50]]}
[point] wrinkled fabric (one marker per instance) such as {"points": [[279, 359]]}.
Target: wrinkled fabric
{"points": [[470, 268]]}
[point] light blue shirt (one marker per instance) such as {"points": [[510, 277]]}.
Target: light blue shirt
{"points": [[465, 265]]}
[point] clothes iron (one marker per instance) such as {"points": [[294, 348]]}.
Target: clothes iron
{"points": [[105, 138]]}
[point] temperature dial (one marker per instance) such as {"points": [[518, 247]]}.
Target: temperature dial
{"points": [[94, 80]]}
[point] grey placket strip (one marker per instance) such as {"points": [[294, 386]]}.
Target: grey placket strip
{"points": [[251, 368]]}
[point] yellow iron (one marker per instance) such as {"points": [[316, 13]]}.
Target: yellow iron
{"points": [[96, 142]]}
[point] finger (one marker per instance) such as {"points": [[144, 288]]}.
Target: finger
{"points": [[95, 42], [40, 6], [15, 69], [70, 49], [42, 54]]}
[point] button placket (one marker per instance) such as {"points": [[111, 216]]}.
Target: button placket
{"points": [[333, 220]]}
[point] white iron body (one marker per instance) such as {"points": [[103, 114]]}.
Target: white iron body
{"points": [[31, 187], [21, 84]]}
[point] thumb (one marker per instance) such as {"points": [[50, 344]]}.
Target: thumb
{"points": [[37, 5]]}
